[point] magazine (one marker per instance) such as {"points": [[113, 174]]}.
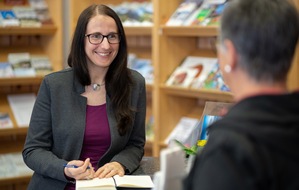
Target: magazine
{"points": [[5, 121], [22, 106], [213, 80], [21, 64], [213, 111], [182, 76], [6, 70], [203, 65], [180, 15], [183, 131], [8, 18]]}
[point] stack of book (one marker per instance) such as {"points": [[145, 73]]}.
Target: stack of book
{"points": [[24, 64], [33, 15]]}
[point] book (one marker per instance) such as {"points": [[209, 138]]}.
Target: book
{"points": [[214, 80], [8, 18], [6, 70], [135, 13], [149, 128], [21, 64], [22, 106], [182, 13], [42, 11], [112, 183], [183, 131], [207, 14], [27, 16], [5, 121], [182, 76], [12, 166], [143, 66], [203, 66], [41, 64], [214, 17], [213, 111]]}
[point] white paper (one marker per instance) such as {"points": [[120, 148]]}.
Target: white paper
{"points": [[22, 106], [141, 181]]}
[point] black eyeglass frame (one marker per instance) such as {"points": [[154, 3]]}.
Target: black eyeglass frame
{"points": [[104, 36]]}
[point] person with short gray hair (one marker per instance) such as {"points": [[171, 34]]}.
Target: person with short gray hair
{"points": [[254, 146]]}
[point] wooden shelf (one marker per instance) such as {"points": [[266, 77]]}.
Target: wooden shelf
{"points": [[45, 40], [14, 180], [25, 31], [197, 93], [13, 131], [12, 81], [190, 31], [138, 30], [149, 87]]}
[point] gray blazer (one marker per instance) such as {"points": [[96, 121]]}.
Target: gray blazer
{"points": [[56, 130]]}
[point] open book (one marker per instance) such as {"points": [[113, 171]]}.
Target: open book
{"points": [[127, 181]]}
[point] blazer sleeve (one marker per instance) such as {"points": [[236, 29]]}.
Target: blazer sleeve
{"points": [[37, 152]]}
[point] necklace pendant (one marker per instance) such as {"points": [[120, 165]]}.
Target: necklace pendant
{"points": [[96, 87]]}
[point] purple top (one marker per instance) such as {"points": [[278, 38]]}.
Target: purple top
{"points": [[97, 137]]}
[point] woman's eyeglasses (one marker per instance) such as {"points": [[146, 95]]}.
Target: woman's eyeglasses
{"points": [[97, 38]]}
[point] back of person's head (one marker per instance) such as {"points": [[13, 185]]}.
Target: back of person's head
{"points": [[264, 33]]}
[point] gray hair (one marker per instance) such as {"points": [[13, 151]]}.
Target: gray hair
{"points": [[264, 33]]}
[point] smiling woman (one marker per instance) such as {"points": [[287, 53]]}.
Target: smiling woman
{"points": [[97, 105]]}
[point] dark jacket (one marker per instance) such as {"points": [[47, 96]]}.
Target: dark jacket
{"points": [[56, 130], [255, 146]]}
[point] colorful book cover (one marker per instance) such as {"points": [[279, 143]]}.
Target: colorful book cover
{"points": [[182, 76], [214, 80], [5, 121], [8, 18], [180, 15], [203, 65], [213, 111], [214, 17], [21, 64], [202, 13], [207, 120], [41, 64], [135, 13], [6, 70], [27, 16]]}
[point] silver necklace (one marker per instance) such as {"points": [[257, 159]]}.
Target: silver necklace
{"points": [[96, 87]]}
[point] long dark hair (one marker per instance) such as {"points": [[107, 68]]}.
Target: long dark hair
{"points": [[118, 81]]}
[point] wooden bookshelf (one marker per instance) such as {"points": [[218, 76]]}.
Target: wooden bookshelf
{"points": [[45, 40], [171, 44], [25, 31]]}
